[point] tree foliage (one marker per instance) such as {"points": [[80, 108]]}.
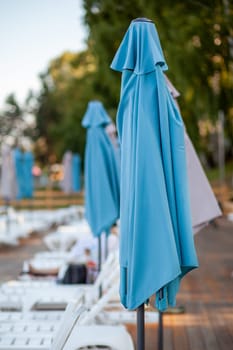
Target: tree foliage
{"points": [[67, 86], [197, 39], [10, 117]]}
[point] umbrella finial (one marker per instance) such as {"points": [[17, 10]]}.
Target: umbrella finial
{"points": [[142, 19], [140, 50]]}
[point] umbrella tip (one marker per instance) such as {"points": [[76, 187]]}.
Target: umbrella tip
{"points": [[142, 19]]}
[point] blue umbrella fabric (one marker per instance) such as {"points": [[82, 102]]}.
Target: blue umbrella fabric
{"points": [[76, 171], [156, 240], [28, 176], [101, 172]]}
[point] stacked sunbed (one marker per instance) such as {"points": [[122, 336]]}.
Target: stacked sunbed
{"points": [[33, 312]]}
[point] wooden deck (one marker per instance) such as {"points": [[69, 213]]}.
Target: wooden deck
{"points": [[48, 199], [206, 293]]}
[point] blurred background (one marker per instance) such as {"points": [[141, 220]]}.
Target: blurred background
{"points": [[55, 57]]}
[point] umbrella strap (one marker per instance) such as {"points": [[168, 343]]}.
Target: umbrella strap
{"points": [[161, 299]]}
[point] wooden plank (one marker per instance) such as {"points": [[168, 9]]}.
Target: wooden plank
{"points": [[179, 338], [168, 332], [223, 335]]}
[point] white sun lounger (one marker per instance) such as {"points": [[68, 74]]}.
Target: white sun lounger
{"points": [[29, 293], [70, 335], [66, 235]]}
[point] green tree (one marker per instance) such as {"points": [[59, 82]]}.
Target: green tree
{"points": [[67, 86], [197, 39], [11, 118]]}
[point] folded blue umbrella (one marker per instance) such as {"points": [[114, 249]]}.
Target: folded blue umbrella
{"points": [[76, 172], [156, 240], [101, 172], [19, 172], [28, 176]]}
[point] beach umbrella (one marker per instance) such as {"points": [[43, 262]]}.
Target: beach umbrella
{"points": [[101, 173], [76, 173], [112, 133], [28, 162], [156, 240], [19, 171], [8, 182], [66, 183], [204, 206], [8, 175]]}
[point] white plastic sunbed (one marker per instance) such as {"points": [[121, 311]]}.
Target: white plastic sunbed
{"points": [[72, 333], [47, 295], [66, 235], [21, 223], [29, 293]]}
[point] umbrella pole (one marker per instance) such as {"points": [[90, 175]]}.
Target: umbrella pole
{"points": [[99, 262], [160, 325], [140, 328], [160, 331]]}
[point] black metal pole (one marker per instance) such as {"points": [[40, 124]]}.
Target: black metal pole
{"points": [[140, 328], [160, 325], [160, 331], [100, 262]]}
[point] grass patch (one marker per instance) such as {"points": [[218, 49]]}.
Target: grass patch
{"points": [[213, 174]]}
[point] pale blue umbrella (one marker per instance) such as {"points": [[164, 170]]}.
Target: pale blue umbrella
{"points": [[111, 131], [156, 240], [28, 176], [19, 172], [66, 183], [76, 172], [8, 183], [101, 172]]}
